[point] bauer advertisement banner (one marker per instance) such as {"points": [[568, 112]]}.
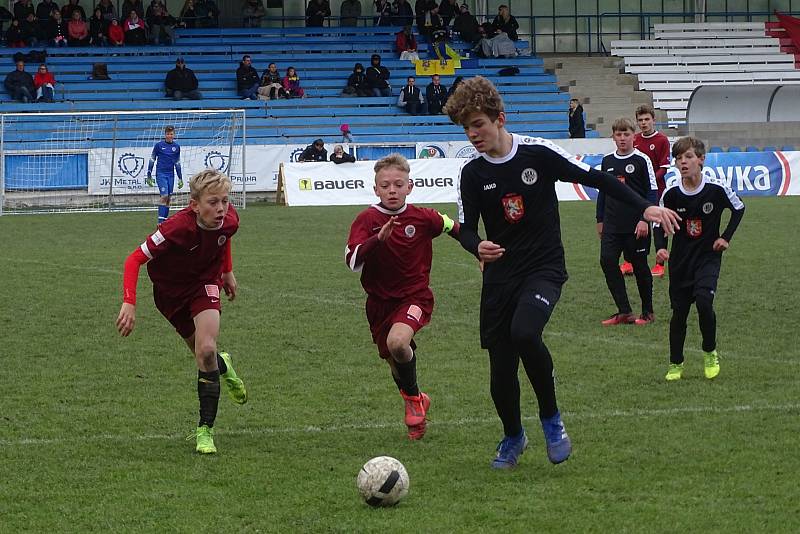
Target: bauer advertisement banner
{"points": [[328, 184]]}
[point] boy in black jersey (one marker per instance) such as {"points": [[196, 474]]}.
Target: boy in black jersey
{"points": [[696, 256], [622, 227], [511, 185]]}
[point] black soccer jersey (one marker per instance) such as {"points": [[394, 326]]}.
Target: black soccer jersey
{"points": [[636, 171], [516, 197], [701, 211]]}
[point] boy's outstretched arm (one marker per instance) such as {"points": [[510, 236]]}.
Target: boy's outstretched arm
{"points": [[127, 313]]}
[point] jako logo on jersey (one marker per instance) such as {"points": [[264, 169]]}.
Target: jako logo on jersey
{"points": [[216, 160], [432, 182], [529, 176], [410, 230], [305, 184], [489, 187], [130, 164], [431, 151], [513, 207], [751, 173], [466, 152]]}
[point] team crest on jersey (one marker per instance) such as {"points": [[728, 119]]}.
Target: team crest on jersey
{"points": [[652, 146], [410, 230], [513, 207], [174, 149], [221, 240], [629, 168], [529, 176], [708, 207], [694, 227]]}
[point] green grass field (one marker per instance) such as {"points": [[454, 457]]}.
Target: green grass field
{"points": [[93, 425]]}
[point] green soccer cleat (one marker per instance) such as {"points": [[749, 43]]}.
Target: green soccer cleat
{"points": [[205, 439], [710, 364], [234, 384], [675, 372]]}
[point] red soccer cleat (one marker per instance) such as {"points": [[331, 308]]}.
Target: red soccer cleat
{"points": [[645, 318], [619, 318], [626, 268], [657, 271], [416, 409]]}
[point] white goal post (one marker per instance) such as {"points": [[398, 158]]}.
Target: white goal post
{"points": [[98, 161]]}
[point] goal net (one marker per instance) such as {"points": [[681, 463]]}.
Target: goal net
{"points": [[98, 161]]}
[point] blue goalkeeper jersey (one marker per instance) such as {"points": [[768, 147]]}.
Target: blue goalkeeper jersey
{"points": [[168, 156]]}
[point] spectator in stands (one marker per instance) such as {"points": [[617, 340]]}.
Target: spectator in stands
{"points": [[357, 83], [44, 10], [349, 12], [448, 10], [436, 94], [506, 23], [316, 12], [107, 9], [340, 156], [406, 44], [135, 34], [19, 84], [378, 77], [428, 19], [31, 31], [247, 80], [69, 8], [161, 25], [22, 8], [252, 13], [181, 82], [207, 14], [15, 38], [149, 12], [291, 84], [44, 82], [455, 85], [314, 152], [133, 5], [116, 35], [467, 25], [98, 28], [271, 86], [56, 31], [577, 128], [383, 13], [494, 42], [77, 30], [402, 13], [347, 134], [411, 98], [188, 17]]}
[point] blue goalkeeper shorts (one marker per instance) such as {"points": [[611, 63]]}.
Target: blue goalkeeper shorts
{"points": [[166, 184]]}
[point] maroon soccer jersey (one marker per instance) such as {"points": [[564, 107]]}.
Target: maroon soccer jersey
{"points": [[400, 266], [656, 147], [184, 256]]}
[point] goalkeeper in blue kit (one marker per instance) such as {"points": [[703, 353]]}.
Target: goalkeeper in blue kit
{"points": [[168, 155]]}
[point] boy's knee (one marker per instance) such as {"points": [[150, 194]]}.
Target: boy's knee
{"points": [[206, 354], [704, 300]]}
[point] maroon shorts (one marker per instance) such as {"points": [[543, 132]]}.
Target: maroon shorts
{"points": [[180, 312], [382, 314]]}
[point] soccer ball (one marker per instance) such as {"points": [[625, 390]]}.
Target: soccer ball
{"points": [[383, 481]]}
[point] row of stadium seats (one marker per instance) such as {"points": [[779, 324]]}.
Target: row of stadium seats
{"points": [[786, 148], [684, 56], [534, 102]]}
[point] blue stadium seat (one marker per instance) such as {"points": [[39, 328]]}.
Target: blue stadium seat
{"points": [[715, 149], [734, 149], [769, 149], [752, 149], [787, 148]]}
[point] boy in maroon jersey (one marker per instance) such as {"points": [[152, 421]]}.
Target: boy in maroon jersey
{"points": [[188, 259], [390, 243], [655, 146]]}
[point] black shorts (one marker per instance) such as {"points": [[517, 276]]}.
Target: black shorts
{"points": [[499, 302], [683, 290], [629, 244]]}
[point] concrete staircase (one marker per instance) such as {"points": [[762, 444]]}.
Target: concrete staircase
{"points": [[602, 87]]}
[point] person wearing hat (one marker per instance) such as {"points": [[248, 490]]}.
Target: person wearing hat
{"points": [[181, 82], [116, 35], [314, 152], [347, 135]]}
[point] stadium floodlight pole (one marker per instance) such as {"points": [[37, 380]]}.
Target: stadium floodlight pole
{"points": [[111, 174]]}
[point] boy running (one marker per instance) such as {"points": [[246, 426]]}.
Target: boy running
{"points": [[696, 256], [168, 155], [390, 243], [511, 185], [188, 259], [622, 228]]}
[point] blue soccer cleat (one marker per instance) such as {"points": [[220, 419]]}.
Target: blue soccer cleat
{"points": [[559, 447], [509, 450]]}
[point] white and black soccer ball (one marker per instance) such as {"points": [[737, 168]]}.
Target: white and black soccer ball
{"points": [[383, 481]]}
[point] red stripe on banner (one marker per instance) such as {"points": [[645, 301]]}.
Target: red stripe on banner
{"points": [[787, 174]]}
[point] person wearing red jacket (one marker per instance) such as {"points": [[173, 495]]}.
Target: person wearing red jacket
{"points": [[406, 43], [135, 34], [45, 83], [116, 35]]}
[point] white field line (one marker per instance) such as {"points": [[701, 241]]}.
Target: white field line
{"points": [[455, 423]]}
